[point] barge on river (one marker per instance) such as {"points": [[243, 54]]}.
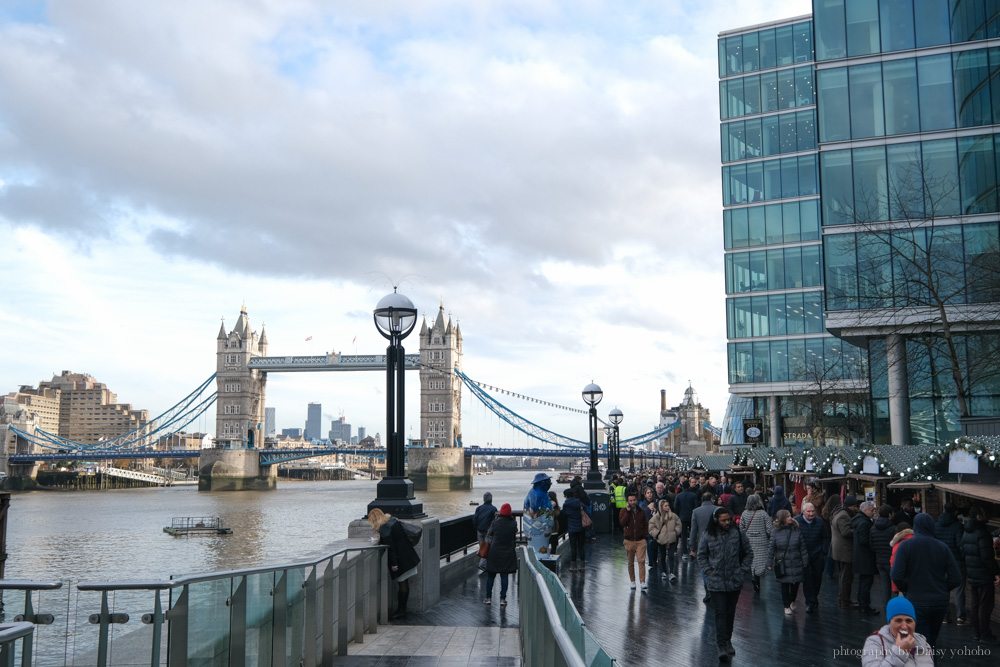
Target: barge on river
{"points": [[197, 525]]}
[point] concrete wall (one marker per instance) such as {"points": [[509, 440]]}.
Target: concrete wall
{"points": [[234, 470], [439, 469]]}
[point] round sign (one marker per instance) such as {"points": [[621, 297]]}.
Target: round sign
{"points": [[753, 432]]}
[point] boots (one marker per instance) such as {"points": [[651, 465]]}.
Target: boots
{"points": [[756, 584], [401, 598]]}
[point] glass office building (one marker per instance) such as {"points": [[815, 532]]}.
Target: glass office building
{"points": [[861, 219]]}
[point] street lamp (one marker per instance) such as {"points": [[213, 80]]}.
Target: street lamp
{"points": [[592, 395], [395, 317], [609, 439], [631, 460], [616, 417]]}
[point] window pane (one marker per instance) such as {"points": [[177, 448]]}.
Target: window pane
{"points": [[730, 319], [759, 315], [783, 45], [779, 361], [838, 187], [744, 362], [772, 137], [758, 271], [809, 219], [773, 223], [946, 258], [794, 314], [871, 196], [755, 186], [753, 138], [900, 93], [756, 215], [832, 361], [940, 182], [937, 109], [834, 107], [769, 92], [734, 93], [790, 222], [751, 94], [741, 273], [906, 183], [796, 359], [982, 258], [775, 269], [862, 27], [742, 309], [874, 271], [722, 58], [724, 132], [789, 177], [724, 100], [972, 88], [734, 185], [896, 22], [968, 21], [734, 54], [804, 93], [776, 306], [867, 118], [802, 34], [786, 89], [727, 228], [812, 271], [737, 144], [808, 175], [786, 128], [978, 176], [841, 267], [828, 19], [805, 130], [751, 56], [995, 84], [761, 362], [768, 58], [813, 302], [793, 268], [930, 18], [739, 216], [772, 179]]}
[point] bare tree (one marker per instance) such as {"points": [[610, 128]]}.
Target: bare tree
{"points": [[832, 390]]}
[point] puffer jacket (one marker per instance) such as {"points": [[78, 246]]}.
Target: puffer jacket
{"points": [[977, 550], [924, 568], [894, 543], [787, 543], [949, 530], [842, 540], [882, 533], [864, 556], [665, 528], [725, 559], [880, 650]]}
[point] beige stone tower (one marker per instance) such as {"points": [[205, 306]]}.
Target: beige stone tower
{"points": [[440, 387], [239, 409]]}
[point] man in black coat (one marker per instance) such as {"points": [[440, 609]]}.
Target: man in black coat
{"points": [[738, 501], [815, 537], [926, 571], [882, 533], [983, 572], [864, 557], [949, 530], [684, 504], [906, 513], [483, 518]]}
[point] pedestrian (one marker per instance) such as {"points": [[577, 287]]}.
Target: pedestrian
{"points": [[724, 556], [738, 501], [665, 528], [483, 518], [983, 573], [787, 555], [778, 502], [903, 532], [831, 503], [863, 556], [558, 524], [842, 547], [648, 505], [816, 538], [897, 643], [403, 558], [684, 504], [572, 511], [635, 529], [756, 525], [906, 513], [619, 500], [883, 531], [926, 571], [814, 495], [502, 558], [950, 531]]}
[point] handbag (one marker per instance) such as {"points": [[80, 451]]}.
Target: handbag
{"points": [[779, 563], [585, 519], [484, 549]]}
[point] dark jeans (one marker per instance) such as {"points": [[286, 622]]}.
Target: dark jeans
{"points": [[685, 534], [504, 580], [812, 579], [788, 593], [929, 620], [885, 583], [724, 605], [668, 558], [981, 603], [959, 594], [865, 582], [652, 549], [846, 570], [576, 547]]}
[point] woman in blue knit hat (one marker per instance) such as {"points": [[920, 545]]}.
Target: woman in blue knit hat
{"points": [[897, 642]]}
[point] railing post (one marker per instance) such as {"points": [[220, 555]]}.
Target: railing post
{"points": [[157, 621], [238, 623], [102, 637], [330, 628], [383, 589], [177, 631], [279, 619], [342, 607], [309, 632]]}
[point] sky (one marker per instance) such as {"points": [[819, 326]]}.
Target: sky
{"points": [[548, 170]]}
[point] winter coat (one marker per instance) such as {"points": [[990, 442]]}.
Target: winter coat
{"points": [[484, 516], [756, 525], [665, 528], [581, 493], [882, 533], [402, 555], [977, 550], [880, 650], [737, 503], [924, 569], [815, 536], [502, 556], [842, 542], [778, 502], [684, 504], [863, 555], [571, 509], [817, 498], [700, 519], [950, 530], [787, 543], [725, 559], [634, 523], [894, 543]]}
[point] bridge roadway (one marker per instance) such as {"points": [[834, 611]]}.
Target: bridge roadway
{"points": [[669, 625]]}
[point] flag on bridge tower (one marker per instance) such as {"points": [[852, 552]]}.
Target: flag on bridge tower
{"points": [[310, 338]]}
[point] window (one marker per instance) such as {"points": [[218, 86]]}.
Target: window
{"points": [[231, 409], [831, 32], [937, 108], [896, 23], [834, 107], [867, 119], [862, 27], [899, 80], [930, 20]]}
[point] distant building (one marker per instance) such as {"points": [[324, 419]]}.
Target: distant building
{"points": [[691, 437], [340, 430], [291, 433], [362, 433], [270, 423], [239, 410], [182, 440], [314, 421]]}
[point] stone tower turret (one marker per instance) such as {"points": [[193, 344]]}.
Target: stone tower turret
{"points": [[239, 409], [440, 387]]}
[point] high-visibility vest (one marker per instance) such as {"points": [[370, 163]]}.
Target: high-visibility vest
{"points": [[620, 500]]}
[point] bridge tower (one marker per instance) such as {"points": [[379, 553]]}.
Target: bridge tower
{"points": [[234, 463], [441, 464]]}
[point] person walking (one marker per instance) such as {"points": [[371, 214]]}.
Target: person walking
{"points": [[635, 529], [883, 531], [572, 510], [897, 643], [483, 518], [982, 571], [926, 571], [738, 501], [950, 531], [787, 555], [724, 556], [863, 556], [684, 504], [619, 500], [816, 537], [665, 528], [778, 502], [842, 548], [648, 505], [756, 525], [700, 518], [502, 558], [403, 558]]}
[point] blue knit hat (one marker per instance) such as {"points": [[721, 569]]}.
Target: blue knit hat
{"points": [[899, 606]]}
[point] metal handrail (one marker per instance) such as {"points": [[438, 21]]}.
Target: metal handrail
{"points": [[10, 633]]}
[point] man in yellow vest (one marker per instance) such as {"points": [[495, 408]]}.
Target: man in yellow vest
{"points": [[620, 502]]}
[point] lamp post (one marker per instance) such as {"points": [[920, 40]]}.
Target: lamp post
{"points": [[609, 439], [631, 459], [616, 417], [592, 395], [395, 317]]}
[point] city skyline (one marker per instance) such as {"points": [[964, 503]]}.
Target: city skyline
{"points": [[551, 184]]}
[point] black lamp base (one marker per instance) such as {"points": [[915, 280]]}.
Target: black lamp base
{"points": [[394, 495], [594, 480]]}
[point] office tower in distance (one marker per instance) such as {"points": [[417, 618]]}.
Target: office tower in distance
{"points": [[292, 432], [270, 427], [314, 421], [340, 430]]}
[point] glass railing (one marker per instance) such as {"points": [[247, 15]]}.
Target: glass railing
{"points": [[552, 632], [301, 613]]}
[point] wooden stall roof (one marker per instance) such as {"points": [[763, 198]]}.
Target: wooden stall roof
{"points": [[987, 492]]}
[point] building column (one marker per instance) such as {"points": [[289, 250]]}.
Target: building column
{"points": [[899, 391], [774, 419]]}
